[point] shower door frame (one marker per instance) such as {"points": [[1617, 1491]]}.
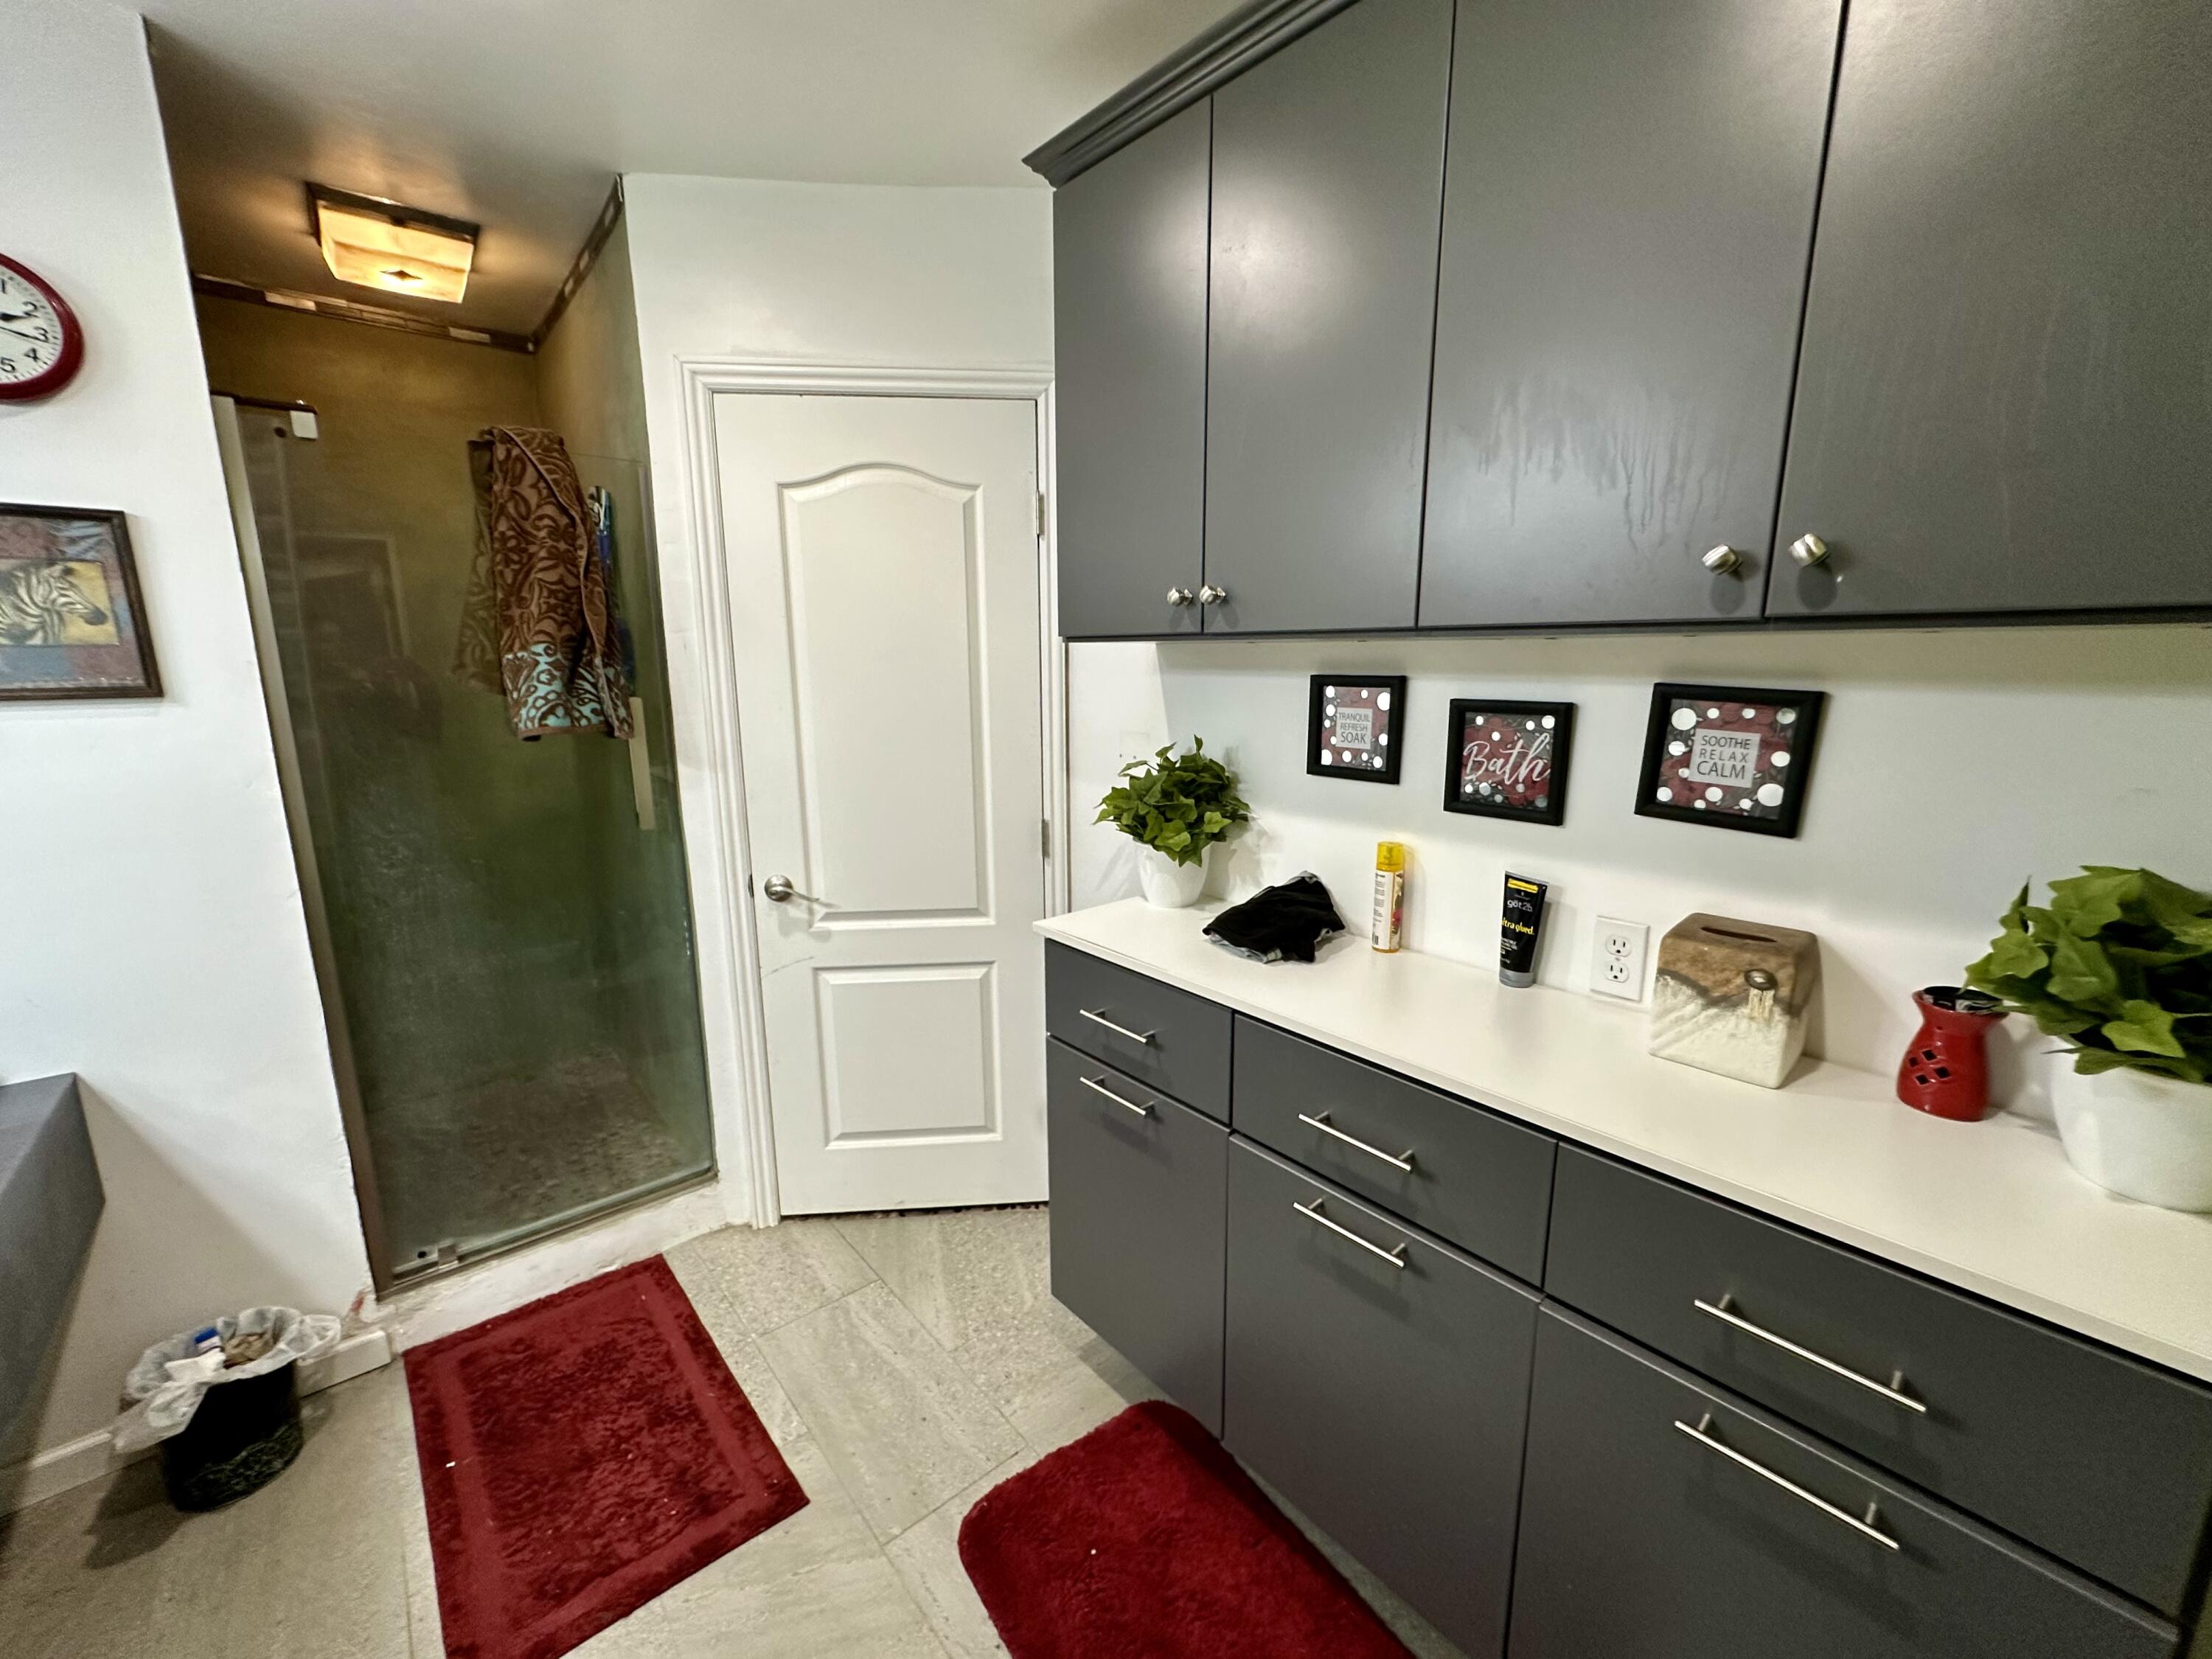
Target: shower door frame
{"points": [[230, 440], [384, 1274]]}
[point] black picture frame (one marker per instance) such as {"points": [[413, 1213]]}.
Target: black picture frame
{"points": [[1387, 695], [72, 622], [1729, 802], [1553, 721]]}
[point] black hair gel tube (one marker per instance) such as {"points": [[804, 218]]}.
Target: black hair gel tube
{"points": [[1524, 915]]}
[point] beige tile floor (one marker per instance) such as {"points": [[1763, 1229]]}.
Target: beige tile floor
{"points": [[905, 1364]]}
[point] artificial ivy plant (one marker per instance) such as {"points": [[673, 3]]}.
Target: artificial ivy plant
{"points": [[2118, 965], [1178, 804]]}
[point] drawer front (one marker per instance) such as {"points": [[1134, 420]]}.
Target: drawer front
{"points": [[1387, 1403], [1640, 1537], [1136, 1220], [1479, 1180], [2104, 1462], [1167, 1039]]}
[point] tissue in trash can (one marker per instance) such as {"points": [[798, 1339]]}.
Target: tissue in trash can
{"points": [[166, 1385]]}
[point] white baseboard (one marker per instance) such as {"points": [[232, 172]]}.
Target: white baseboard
{"points": [[92, 1456]]}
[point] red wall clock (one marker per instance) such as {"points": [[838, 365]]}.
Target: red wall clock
{"points": [[41, 342]]}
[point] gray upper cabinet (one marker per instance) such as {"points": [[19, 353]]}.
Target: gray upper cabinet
{"points": [[1129, 305], [2005, 402], [1627, 219], [1327, 182]]}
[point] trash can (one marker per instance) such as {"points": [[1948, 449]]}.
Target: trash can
{"points": [[222, 1402]]}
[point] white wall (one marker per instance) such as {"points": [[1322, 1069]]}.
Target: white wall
{"points": [[1951, 767], [154, 941], [750, 271]]}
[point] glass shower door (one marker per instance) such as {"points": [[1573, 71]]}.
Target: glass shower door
{"points": [[504, 926]]}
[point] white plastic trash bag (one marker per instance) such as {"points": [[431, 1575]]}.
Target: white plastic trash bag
{"points": [[165, 1384]]}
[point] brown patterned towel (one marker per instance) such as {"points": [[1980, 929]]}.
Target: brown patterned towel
{"points": [[538, 625]]}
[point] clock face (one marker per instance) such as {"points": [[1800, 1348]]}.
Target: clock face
{"points": [[40, 344]]}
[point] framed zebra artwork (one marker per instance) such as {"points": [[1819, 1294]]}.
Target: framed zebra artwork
{"points": [[71, 624]]}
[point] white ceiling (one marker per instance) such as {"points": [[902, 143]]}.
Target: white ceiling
{"points": [[517, 114]]}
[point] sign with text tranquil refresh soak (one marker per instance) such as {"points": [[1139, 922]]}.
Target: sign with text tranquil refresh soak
{"points": [[1352, 722], [1730, 755], [1508, 759]]}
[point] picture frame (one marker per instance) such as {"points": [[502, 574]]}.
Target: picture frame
{"points": [[72, 623], [1504, 759], [1732, 756], [1354, 726]]}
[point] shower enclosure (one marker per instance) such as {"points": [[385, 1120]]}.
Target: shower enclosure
{"points": [[501, 928]]}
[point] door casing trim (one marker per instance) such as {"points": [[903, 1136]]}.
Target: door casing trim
{"points": [[711, 756]]}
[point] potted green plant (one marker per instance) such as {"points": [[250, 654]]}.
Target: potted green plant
{"points": [[2119, 966], [1174, 806]]}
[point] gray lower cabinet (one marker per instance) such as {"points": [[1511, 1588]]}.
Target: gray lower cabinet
{"points": [[1475, 1179], [1129, 310], [1138, 1185], [1327, 183], [2099, 1458], [1666, 1519], [1166, 1039], [1628, 215], [1380, 1380], [2005, 400]]}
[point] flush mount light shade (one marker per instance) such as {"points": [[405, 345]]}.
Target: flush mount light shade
{"points": [[401, 250]]}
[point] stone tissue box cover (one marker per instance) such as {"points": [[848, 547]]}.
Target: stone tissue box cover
{"points": [[1732, 997]]}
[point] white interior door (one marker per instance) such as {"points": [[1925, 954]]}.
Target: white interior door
{"points": [[883, 560]]}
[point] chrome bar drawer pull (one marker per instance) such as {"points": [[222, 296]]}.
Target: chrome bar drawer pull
{"points": [[1099, 1087], [1702, 1434], [1396, 1257], [1097, 1018], [1892, 1390], [1403, 1161]]}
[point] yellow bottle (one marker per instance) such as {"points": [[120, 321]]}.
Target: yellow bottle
{"points": [[1388, 930]]}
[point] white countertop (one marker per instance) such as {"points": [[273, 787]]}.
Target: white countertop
{"points": [[1992, 1207]]}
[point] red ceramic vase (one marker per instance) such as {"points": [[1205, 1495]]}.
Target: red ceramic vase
{"points": [[1946, 1071]]}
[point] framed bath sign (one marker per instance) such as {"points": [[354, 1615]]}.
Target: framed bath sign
{"points": [[71, 622], [1508, 760], [1352, 726], [1734, 756]]}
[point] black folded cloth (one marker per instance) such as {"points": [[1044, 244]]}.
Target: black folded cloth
{"points": [[1287, 920]]}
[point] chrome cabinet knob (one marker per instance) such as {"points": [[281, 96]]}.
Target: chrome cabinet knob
{"points": [[1178, 596], [1809, 551], [1722, 561], [1209, 594]]}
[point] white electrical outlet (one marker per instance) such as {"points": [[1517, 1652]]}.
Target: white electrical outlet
{"points": [[1617, 950]]}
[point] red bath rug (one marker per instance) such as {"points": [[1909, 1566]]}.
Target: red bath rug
{"points": [[1144, 1538], [579, 1457]]}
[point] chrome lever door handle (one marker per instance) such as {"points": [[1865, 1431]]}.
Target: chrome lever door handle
{"points": [[1097, 1087], [1097, 1018], [1402, 1161], [1702, 1433], [1395, 1257], [1892, 1390], [778, 889]]}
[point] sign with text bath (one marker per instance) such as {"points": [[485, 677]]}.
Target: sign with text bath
{"points": [[1508, 760], [1730, 755]]}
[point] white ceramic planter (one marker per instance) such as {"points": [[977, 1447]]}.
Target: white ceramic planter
{"points": [[2144, 1136], [1169, 885]]}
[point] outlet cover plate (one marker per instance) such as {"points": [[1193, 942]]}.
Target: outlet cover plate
{"points": [[1617, 949]]}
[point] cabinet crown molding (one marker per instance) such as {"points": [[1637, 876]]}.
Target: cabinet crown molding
{"points": [[1176, 82]]}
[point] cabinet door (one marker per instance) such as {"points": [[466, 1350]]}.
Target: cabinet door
{"points": [[1382, 1386], [2005, 402], [1328, 178], [1627, 219], [1137, 1186], [1657, 1523], [1129, 310]]}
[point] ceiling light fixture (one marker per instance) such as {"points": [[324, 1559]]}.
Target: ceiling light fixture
{"points": [[374, 243]]}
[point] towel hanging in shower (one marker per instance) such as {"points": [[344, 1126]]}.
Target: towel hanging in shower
{"points": [[538, 625]]}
